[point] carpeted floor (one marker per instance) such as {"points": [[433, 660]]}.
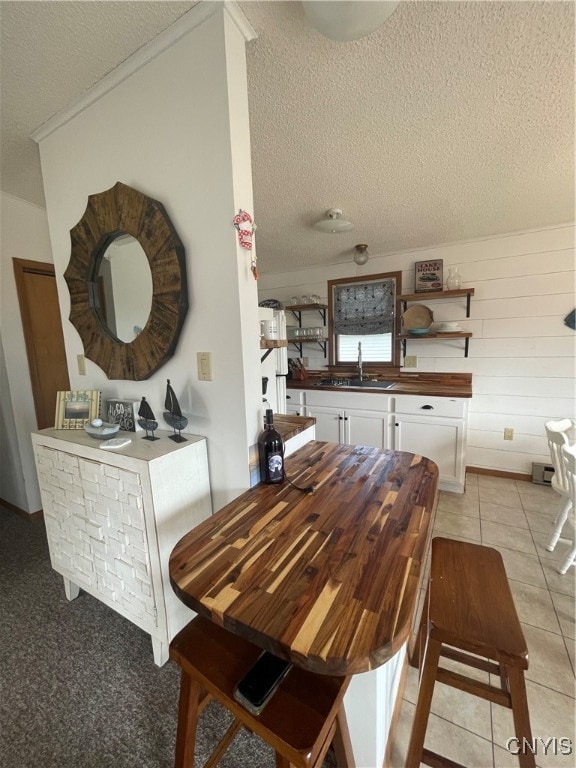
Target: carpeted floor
{"points": [[78, 684]]}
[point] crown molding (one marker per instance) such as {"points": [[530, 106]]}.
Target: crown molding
{"points": [[196, 16], [238, 17]]}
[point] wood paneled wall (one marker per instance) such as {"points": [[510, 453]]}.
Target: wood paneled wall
{"points": [[521, 355]]}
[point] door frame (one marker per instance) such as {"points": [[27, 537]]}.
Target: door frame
{"points": [[21, 267]]}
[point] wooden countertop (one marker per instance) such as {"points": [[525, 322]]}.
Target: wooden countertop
{"points": [[289, 426], [328, 580], [427, 384]]}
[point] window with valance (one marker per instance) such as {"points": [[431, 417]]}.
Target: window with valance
{"points": [[364, 308], [367, 308]]}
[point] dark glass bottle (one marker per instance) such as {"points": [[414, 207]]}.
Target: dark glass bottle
{"points": [[270, 452]]}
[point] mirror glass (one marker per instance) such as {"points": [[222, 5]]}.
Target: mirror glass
{"points": [[363, 315], [124, 288]]}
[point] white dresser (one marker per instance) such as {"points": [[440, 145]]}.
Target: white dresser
{"points": [[113, 517]]}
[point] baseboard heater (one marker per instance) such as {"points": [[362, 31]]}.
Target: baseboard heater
{"points": [[542, 473]]}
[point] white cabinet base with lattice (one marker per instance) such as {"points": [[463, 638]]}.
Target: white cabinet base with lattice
{"points": [[113, 517]]}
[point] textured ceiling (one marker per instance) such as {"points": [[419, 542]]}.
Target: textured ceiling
{"points": [[50, 53], [454, 120]]}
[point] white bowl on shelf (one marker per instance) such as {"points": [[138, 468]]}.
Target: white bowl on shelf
{"points": [[103, 431], [448, 327]]}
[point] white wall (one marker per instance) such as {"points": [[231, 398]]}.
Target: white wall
{"points": [[521, 355], [23, 235], [177, 130]]}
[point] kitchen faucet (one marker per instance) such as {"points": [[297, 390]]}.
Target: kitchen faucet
{"points": [[360, 360]]}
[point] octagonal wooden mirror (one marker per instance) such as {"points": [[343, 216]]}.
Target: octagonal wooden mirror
{"points": [[110, 217]]}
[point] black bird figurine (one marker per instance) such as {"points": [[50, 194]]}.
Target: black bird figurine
{"points": [[173, 414], [147, 420]]}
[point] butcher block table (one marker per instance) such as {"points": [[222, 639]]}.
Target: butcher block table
{"points": [[327, 580]]}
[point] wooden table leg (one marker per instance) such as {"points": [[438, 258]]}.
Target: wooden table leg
{"points": [[190, 692], [425, 692], [341, 743], [521, 715], [223, 744]]}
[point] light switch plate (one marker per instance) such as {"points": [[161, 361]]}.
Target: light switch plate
{"points": [[204, 366], [410, 361], [81, 365]]}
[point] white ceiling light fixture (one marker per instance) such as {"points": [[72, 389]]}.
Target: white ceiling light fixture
{"points": [[334, 223], [361, 254], [345, 20]]}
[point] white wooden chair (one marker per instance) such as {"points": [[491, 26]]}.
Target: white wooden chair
{"points": [[557, 438], [569, 462]]}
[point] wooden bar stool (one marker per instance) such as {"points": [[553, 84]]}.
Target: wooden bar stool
{"points": [[300, 721], [470, 611]]}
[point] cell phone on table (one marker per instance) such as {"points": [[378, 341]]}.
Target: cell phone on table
{"points": [[260, 682]]}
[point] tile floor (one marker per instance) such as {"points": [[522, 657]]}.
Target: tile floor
{"points": [[515, 518]]}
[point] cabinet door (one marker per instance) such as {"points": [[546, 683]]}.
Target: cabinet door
{"points": [[295, 399], [329, 423], [97, 534], [367, 428], [438, 439], [296, 410]]}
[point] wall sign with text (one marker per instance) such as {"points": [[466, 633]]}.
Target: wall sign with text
{"points": [[428, 276]]}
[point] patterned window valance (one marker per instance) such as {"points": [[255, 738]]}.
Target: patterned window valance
{"points": [[364, 308]]}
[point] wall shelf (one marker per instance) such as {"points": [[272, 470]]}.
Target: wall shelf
{"points": [[273, 343], [270, 344], [297, 310], [432, 296], [298, 344], [404, 337]]}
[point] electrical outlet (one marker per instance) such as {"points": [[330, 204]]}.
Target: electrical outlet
{"points": [[81, 365], [410, 361], [508, 433], [204, 366]]}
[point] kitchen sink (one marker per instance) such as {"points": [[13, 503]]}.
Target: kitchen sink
{"points": [[355, 384], [369, 384]]}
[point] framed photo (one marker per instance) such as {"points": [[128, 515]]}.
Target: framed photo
{"points": [[428, 276], [76, 408], [125, 413]]}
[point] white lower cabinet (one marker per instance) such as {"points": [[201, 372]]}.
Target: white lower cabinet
{"points": [[434, 427], [113, 517], [295, 410], [329, 424], [351, 426], [369, 428], [351, 418], [295, 399]]}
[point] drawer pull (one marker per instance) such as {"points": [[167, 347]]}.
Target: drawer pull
{"points": [[427, 407]]}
